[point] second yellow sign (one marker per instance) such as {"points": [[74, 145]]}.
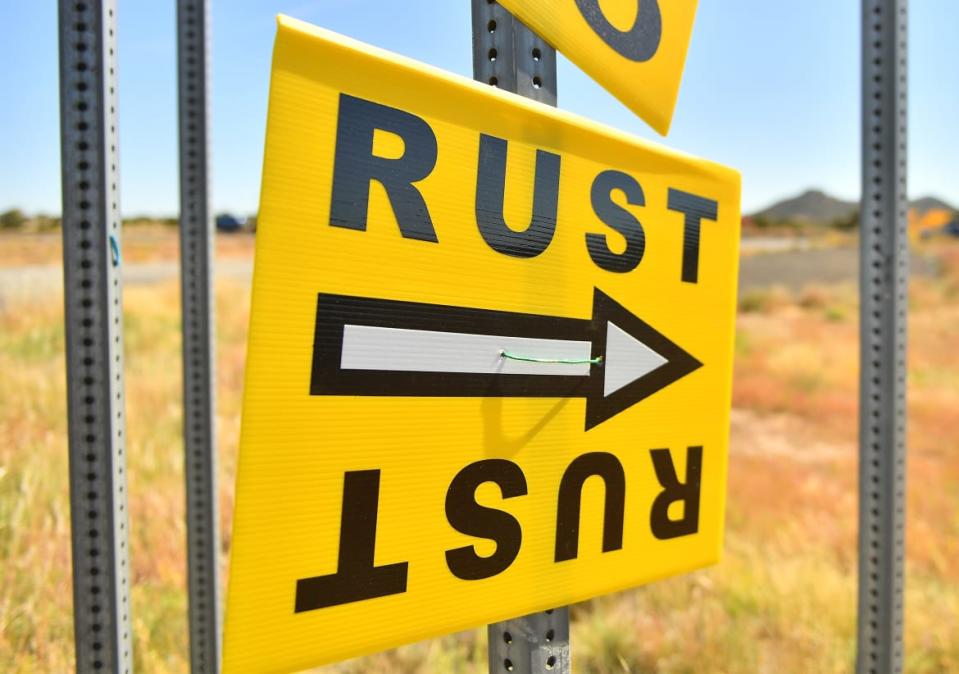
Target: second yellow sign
{"points": [[636, 49]]}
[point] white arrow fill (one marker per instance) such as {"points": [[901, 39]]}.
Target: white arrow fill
{"points": [[368, 347], [365, 346], [627, 359]]}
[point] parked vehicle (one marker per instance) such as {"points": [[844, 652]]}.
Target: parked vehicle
{"points": [[228, 223]]}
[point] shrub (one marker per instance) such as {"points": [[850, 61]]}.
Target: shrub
{"points": [[12, 219]]}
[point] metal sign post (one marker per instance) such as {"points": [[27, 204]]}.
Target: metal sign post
{"points": [[508, 55], [196, 268], [884, 260], [94, 335]]}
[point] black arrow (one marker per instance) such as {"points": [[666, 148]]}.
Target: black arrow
{"points": [[374, 347]]}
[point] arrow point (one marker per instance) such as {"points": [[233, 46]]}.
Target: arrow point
{"points": [[627, 359], [638, 360]]}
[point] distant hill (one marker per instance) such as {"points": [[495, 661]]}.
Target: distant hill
{"points": [[818, 208], [812, 206], [924, 205]]}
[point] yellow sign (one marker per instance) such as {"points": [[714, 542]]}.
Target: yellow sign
{"points": [[636, 49], [489, 360]]}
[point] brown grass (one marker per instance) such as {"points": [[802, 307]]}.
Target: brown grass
{"points": [[782, 600], [141, 243]]}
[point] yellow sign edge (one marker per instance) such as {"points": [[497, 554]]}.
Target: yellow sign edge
{"points": [[469, 86]]}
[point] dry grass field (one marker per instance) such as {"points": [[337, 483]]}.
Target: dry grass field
{"points": [[149, 242], [782, 600]]}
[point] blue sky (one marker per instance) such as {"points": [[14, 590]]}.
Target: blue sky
{"points": [[771, 88]]}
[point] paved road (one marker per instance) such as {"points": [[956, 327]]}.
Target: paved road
{"points": [[39, 280], [792, 269], [820, 266]]}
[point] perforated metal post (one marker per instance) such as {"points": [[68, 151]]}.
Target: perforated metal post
{"points": [[884, 276], [508, 55], [94, 335], [196, 269], [531, 644]]}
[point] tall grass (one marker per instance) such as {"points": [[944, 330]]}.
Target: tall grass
{"points": [[782, 600]]}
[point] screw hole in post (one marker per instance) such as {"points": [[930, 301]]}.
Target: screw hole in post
{"points": [[507, 637], [491, 27], [537, 83], [550, 662], [493, 81], [537, 54]]}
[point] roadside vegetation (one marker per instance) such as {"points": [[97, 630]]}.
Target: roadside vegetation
{"points": [[783, 599]]}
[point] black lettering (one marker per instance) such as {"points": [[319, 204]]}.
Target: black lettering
{"points": [[609, 468], [673, 490], [355, 166], [468, 517], [696, 209], [619, 219], [356, 577], [490, 191], [640, 42]]}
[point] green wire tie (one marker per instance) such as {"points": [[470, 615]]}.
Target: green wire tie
{"points": [[598, 360]]}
